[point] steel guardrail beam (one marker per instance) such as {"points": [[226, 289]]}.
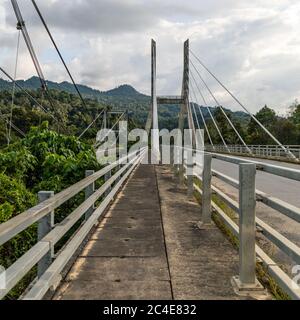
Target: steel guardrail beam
{"points": [[282, 206], [288, 173], [284, 244], [274, 270]]}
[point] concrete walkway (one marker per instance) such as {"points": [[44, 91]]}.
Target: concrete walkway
{"points": [[148, 246]]}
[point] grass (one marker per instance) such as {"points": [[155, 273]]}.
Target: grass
{"points": [[270, 283]]}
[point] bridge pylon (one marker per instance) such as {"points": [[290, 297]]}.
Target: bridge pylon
{"points": [[182, 100], [155, 154]]}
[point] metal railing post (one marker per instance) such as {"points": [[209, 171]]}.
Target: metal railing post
{"points": [[173, 159], [206, 190], [45, 225], [172, 156], [181, 171], [246, 280], [176, 160], [190, 174], [89, 190], [190, 182], [119, 167], [107, 176]]}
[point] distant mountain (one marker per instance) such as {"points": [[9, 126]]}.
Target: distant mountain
{"points": [[241, 116], [124, 90], [34, 83], [124, 97]]}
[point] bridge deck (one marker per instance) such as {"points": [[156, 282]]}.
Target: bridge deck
{"points": [[148, 246]]}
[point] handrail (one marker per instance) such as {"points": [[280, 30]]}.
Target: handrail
{"points": [[264, 145], [289, 173], [283, 243], [49, 278], [26, 262], [14, 226], [282, 206], [274, 270], [264, 151], [279, 240]]}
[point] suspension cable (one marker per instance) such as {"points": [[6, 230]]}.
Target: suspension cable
{"points": [[202, 117], [221, 108], [238, 101], [13, 89], [190, 118], [12, 124], [57, 50], [196, 117], [117, 121], [201, 94], [194, 113], [110, 129], [87, 128], [205, 104], [212, 117], [18, 129], [21, 26], [26, 92]]}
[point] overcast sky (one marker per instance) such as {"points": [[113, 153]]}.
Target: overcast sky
{"points": [[253, 46]]}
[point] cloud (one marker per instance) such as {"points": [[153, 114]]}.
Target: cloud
{"points": [[253, 47]]}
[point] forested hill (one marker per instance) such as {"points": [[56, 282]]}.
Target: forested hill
{"points": [[124, 96], [34, 83], [121, 98], [74, 117]]}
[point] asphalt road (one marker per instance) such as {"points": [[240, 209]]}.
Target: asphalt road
{"points": [[282, 188]]}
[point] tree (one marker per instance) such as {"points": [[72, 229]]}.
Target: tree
{"points": [[294, 117], [287, 131], [226, 129], [255, 134], [295, 113]]}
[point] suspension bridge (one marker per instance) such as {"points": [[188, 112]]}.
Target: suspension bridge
{"points": [[224, 228]]}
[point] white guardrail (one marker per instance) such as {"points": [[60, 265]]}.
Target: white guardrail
{"points": [[245, 209], [41, 254], [265, 151]]}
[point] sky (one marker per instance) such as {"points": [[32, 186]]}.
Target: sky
{"points": [[252, 46]]}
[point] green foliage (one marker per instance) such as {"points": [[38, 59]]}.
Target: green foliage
{"points": [[14, 197], [295, 112], [268, 118], [17, 163], [65, 114], [45, 155], [286, 130], [75, 117], [43, 160], [50, 157], [227, 131]]}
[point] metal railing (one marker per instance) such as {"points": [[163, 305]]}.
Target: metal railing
{"points": [[170, 99], [264, 151], [50, 265], [246, 214]]}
